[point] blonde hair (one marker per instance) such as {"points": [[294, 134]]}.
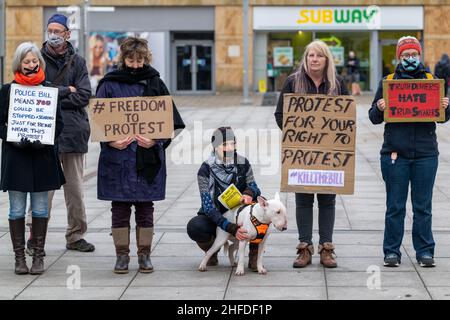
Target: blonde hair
{"points": [[21, 51], [301, 83], [134, 47]]}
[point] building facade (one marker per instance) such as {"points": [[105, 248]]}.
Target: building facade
{"points": [[197, 44]]}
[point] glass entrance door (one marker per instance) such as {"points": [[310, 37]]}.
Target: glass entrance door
{"points": [[194, 72]]}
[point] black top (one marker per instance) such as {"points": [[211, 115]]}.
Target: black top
{"points": [[289, 87]]}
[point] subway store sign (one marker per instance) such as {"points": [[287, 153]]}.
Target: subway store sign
{"points": [[368, 15], [338, 18]]}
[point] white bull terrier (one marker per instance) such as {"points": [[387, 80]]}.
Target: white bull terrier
{"points": [[254, 219]]}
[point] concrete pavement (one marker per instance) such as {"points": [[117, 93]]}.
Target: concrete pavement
{"points": [[358, 228]]}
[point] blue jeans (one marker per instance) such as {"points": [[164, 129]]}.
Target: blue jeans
{"points": [[421, 173], [18, 204]]}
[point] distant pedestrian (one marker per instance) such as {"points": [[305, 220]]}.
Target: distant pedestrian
{"points": [[132, 171], [442, 71], [315, 75], [223, 168], [28, 167], [353, 73], [409, 155]]}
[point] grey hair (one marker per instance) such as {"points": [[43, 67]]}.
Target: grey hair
{"points": [[21, 51]]}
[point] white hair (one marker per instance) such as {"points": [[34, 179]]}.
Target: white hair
{"points": [[21, 51]]}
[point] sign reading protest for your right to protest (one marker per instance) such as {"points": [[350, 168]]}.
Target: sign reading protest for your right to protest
{"points": [[416, 100], [115, 119], [318, 144], [32, 113]]}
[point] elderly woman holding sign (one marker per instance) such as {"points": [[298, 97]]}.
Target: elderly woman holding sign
{"points": [[316, 74], [28, 166], [409, 155], [132, 171]]}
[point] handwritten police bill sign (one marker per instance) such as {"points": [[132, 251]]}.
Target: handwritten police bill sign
{"points": [[32, 113], [318, 144], [114, 119], [413, 100]]}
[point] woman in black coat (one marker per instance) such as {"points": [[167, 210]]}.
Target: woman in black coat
{"points": [[315, 75], [28, 166]]}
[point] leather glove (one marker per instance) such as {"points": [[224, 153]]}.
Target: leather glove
{"points": [[24, 143], [36, 144], [232, 228]]}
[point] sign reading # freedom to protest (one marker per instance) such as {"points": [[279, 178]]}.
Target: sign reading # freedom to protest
{"points": [[318, 144], [115, 119], [32, 113], [415, 100]]}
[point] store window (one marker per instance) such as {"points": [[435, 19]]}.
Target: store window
{"points": [[341, 43], [285, 51], [388, 43]]}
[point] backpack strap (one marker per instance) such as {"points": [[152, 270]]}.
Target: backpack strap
{"points": [[62, 72], [391, 76]]}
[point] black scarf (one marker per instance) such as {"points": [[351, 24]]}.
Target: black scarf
{"points": [[148, 162], [418, 73]]}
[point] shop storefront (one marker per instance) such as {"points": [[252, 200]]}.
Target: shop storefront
{"points": [[181, 40], [282, 33]]}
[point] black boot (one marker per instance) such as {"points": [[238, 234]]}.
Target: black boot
{"points": [[253, 257], [121, 237], [205, 246], [39, 229], [17, 230], [144, 237]]}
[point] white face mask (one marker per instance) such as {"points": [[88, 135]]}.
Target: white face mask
{"points": [[55, 40]]}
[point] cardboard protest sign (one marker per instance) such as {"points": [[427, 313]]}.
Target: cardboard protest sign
{"points": [[318, 144], [416, 100], [115, 119], [32, 113]]}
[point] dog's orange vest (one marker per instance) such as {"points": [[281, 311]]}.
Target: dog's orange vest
{"points": [[261, 228]]}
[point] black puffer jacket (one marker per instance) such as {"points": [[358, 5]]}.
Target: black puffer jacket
{"points": [[75, 136], [289, 87], [409, 139]]}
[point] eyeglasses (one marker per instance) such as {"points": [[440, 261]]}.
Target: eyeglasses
{"points": [[412, 55], [57, 32]]}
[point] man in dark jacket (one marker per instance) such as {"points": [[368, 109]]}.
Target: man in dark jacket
{"points": [[67, 71]]}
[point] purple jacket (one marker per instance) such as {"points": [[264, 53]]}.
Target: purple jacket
{"points": [[117, 175]]}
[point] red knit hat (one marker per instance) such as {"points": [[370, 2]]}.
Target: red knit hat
{"points": [[408, 42]]}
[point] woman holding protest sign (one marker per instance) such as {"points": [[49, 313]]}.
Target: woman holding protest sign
{"points": [[409, 155], [132, 171], [28, 166], [316, 74], [223, 168]]}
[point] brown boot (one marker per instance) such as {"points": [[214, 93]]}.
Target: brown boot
{"points": [[205, 246], [253, 257], [144, 237], [39, 229], [17, 230], [327, 255], [121, 237], [305, 252]]}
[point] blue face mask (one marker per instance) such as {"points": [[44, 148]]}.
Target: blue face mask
{"points": [[410, 64]]}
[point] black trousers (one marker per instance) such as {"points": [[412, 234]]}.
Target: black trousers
{"points": [[121, 214], [201, 228], [304, 214]]}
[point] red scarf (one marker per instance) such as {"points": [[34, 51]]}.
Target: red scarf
{"points": [[20, 78]]}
